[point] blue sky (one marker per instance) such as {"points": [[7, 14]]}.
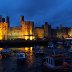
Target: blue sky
{"points": [[55, 12]]}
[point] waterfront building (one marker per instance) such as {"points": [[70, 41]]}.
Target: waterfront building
{"points": [[39, 32], [70, 32], [8, 21], [47, 30], [53, 33], [3, 29], [27, 31], [15, 33], [64, 32], [59, 33], [0, 18], [27, 28]]}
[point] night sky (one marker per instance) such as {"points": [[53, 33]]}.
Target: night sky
{"points": [[55, 12]]}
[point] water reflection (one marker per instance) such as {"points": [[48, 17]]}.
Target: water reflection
{"points": [[42, 47], [33, 63], [1, 49], [10, 64], [60, 46], [29, 53], [71, 46], [24, 49]]}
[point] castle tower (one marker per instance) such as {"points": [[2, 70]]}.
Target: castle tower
{"points": [[3, 20], [8, 21], [21, 18], [0, 18]]}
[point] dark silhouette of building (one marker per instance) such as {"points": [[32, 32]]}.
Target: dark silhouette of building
{"points": [[0, 18], [3, 19], [22, 18], [8, 21], [53, 33], [47, 30]]}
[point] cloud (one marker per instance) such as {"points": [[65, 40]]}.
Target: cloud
{"points": [[53, 11]]}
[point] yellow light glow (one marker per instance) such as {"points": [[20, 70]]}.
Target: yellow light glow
{"points": [[1, 49], [1, 37], [26, 37], [31, 37], [31, 49], [26, 49]]}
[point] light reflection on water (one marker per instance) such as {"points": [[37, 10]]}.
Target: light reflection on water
{"points": [[1, 49], [11, 66], [33, 64], [29, 53]]}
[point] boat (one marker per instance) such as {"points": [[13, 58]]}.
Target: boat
{"points": [[54, 62], [68, 57], [20, 57], [35, 48], [39, 53], [50, 45], [70, 50], [5, 53]]}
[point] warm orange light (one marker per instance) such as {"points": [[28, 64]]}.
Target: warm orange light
{"points": [[39, 32], [1, 49], [31, 37], [26, 49], [26, 37], [31, 49], [1, 37]]}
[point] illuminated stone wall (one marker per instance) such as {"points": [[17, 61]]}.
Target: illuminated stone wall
{"points": [[59, 34], [39, 32], [70, 32], [27, 30], [14, 33], [62, 33], [32, 31], [3, 30]]}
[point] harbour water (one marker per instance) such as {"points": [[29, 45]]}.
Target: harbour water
{"points": [[33, 63]]}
